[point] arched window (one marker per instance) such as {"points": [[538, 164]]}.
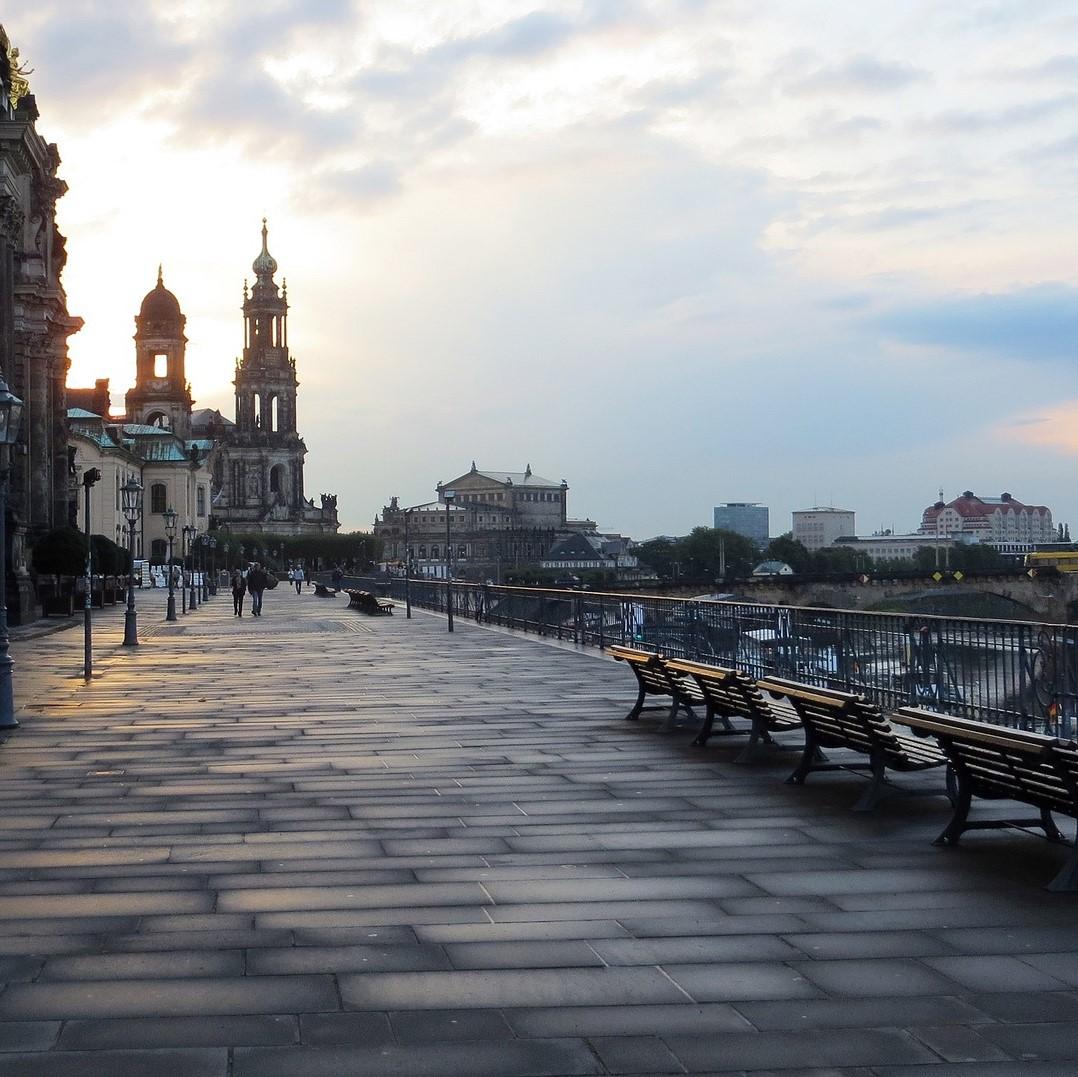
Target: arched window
{"points": [[158, 550], [273, 420], [158, 497], [159, 419], [258, 409], [277, 479], [434, 551]]}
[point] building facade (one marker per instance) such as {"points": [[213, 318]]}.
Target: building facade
{"points": [[896, 547], [247, 475], [499, 521], [174, 473], [34, 329], [747, 518], [1003, 522], [818, 527]]}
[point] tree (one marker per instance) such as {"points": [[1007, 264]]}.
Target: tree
{"points": [[61, 552], [661, 554], [705, 551], [787, 548], [108, 558]]}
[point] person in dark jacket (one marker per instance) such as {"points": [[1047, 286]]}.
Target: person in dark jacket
{"points": [[256, 584], [239, 589]]}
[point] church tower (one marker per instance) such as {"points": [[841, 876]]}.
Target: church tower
{"points": [[161, 395], [266, 458]]}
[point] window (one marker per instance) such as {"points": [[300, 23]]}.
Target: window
{"points": [[422, 551], [462, 551], [434, 551], [160, 365], [158, 550], [273, 420], [258, 409], [158, 497], [202, 501]]}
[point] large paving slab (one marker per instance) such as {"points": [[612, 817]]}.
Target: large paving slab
{"points": [[316, 843]]}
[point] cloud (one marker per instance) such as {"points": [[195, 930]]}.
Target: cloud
{"points": [[95, 56], [859, 74], [976, 121], [1054, 428], [1038, 323]]}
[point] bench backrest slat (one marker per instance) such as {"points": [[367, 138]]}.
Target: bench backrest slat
{"points": [[1003, 762], [838, 718], [729, 691]]}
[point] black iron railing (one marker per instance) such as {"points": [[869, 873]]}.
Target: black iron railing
{"points": [[1016, 673]]}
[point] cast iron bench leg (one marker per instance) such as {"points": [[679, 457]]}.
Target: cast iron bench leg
{"points": [[709, 720], [963, 798], [1067, 879], [1051, 831], [879, 788], [638, 706], [808, 757]]}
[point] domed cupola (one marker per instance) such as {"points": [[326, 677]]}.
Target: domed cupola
{"points": [[265, 265], [160, 307]]}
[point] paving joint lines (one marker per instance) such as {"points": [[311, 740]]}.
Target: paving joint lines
{"points": [[280, 845]]}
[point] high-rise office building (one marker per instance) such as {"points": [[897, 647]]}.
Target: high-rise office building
{"points": [[748, 518]]}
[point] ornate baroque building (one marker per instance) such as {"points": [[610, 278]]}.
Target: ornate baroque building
{"points": [[501, 520], [34, 327], [247, 475], [258, 466]]}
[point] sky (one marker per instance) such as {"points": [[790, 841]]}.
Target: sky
{"points": [[676, 252]]}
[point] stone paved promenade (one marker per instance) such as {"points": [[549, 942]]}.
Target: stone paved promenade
{"points": [[321, 844]]}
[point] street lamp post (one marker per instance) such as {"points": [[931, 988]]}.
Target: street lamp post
{"points": [[132, 509], [10, 414], [407, 568], [203, 591], [449, 496], [192, 598], [90, 476], [170, 533], [184, 534], [213, 565]]}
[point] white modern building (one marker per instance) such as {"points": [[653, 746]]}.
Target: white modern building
{"points": [[818, 527]]}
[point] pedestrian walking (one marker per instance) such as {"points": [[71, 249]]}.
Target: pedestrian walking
{"points": [[256, 584], [338, 577], [307, 575], [239, 589], [296, 576]]}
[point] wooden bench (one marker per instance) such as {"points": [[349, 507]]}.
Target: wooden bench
{"points": [[998, 763], [367, 603], [729, 693], [834, 719], [654, 678]]}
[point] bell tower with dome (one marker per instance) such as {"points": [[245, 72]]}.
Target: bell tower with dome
{"points": [[258, 469], [160, 395]]}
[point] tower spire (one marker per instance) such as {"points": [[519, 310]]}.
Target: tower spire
{"points": [[160, 276]]}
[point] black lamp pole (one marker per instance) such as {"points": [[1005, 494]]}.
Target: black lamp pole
{"points": [[170, 532], [132, 509], [10, 414], [90, 476], [192, 599], [449, 496]]}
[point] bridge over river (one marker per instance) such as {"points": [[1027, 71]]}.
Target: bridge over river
{"points": [[1048, 596], [320, 844]]}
